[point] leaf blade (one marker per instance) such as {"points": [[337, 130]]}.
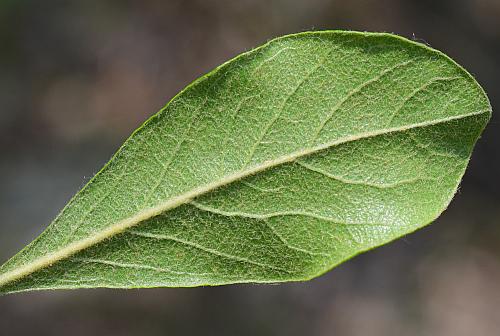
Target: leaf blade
{"points": [[276, 136]]}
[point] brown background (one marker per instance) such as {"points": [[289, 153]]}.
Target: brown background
{"points": [[77, 77]]}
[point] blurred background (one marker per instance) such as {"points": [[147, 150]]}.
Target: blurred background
{"points": [[77, 77]]}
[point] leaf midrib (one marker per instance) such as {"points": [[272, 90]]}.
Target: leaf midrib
{"points": [[179, 200]]}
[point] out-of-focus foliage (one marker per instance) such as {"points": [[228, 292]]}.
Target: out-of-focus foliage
{"points": [[77, 77]]}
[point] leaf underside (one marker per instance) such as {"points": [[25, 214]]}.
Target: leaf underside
{"points": [[276, 166]]}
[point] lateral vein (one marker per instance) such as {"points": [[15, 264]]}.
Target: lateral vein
{"points": [[136, 266], [206, 249], [188, 196], [363, 183], [355, 91]]}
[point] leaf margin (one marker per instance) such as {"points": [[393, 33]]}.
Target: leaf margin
{"points": [[10, 277]]}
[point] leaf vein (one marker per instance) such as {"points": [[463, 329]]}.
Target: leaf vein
{"points": [[286, 243], [206, 249], [352, 93], [135, 266], [277, 115], [415, 92], [188, 196], [364, 183], [265, 216]]}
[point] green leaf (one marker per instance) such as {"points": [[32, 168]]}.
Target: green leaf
{"points": [[276, 166]]}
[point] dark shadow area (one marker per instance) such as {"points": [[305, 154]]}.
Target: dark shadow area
{"points": [[76, 78]]}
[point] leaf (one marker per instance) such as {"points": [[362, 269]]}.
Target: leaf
{"points": [[276, 166]]}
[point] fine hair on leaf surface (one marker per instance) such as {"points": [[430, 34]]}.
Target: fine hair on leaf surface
{"points": [[276, 166]]}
